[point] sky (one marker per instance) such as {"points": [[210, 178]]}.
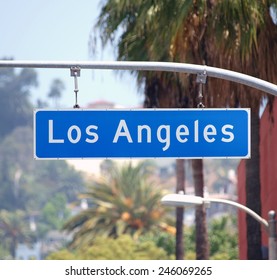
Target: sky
{"points": [[60, 30]]}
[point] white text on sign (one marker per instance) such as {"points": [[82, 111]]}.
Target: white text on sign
{"points": [[163, 134]]}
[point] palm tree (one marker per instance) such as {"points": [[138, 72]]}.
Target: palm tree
{"points": [[124, 202], [56, 89], [15, 229], [245, 37], [180, 187], [16, 107], [250, 27], [139, 41]]}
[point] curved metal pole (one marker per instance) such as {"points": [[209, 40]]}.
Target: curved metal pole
{"points": [[178, 200], [150, 66], [240, 206]]}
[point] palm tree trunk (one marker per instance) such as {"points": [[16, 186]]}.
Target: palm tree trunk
{"points": [[202, 244], [13, 246], [253, 196], [180, 187]]}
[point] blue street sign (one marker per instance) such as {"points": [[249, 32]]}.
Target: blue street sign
{"points": [[145, 133]]}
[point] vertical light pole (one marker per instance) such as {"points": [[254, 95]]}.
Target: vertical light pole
{"points": [[272, 235], [182, 200]]}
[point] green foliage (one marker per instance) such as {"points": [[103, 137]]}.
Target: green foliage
{"points": [[29, 189], [234, 35], [27, 184], [54, 213], [121, 248], [163, 240], [189, 236], [24, 183], [222, 234], [4, 252], [16, 109], [14, 228], [15, 163], [63, 254], [241, 20], [223, 239], [125, 201]]}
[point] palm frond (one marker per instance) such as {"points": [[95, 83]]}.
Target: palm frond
{"points": [[124, 202]]}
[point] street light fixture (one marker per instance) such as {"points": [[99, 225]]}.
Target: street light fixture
{"points": [[182, 200]]}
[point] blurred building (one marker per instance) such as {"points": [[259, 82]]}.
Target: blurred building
{"points": [[101, 104], [268, 169]]}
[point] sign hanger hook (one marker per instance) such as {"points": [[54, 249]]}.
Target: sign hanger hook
{"points": [[201, 79], [75, 72]]}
